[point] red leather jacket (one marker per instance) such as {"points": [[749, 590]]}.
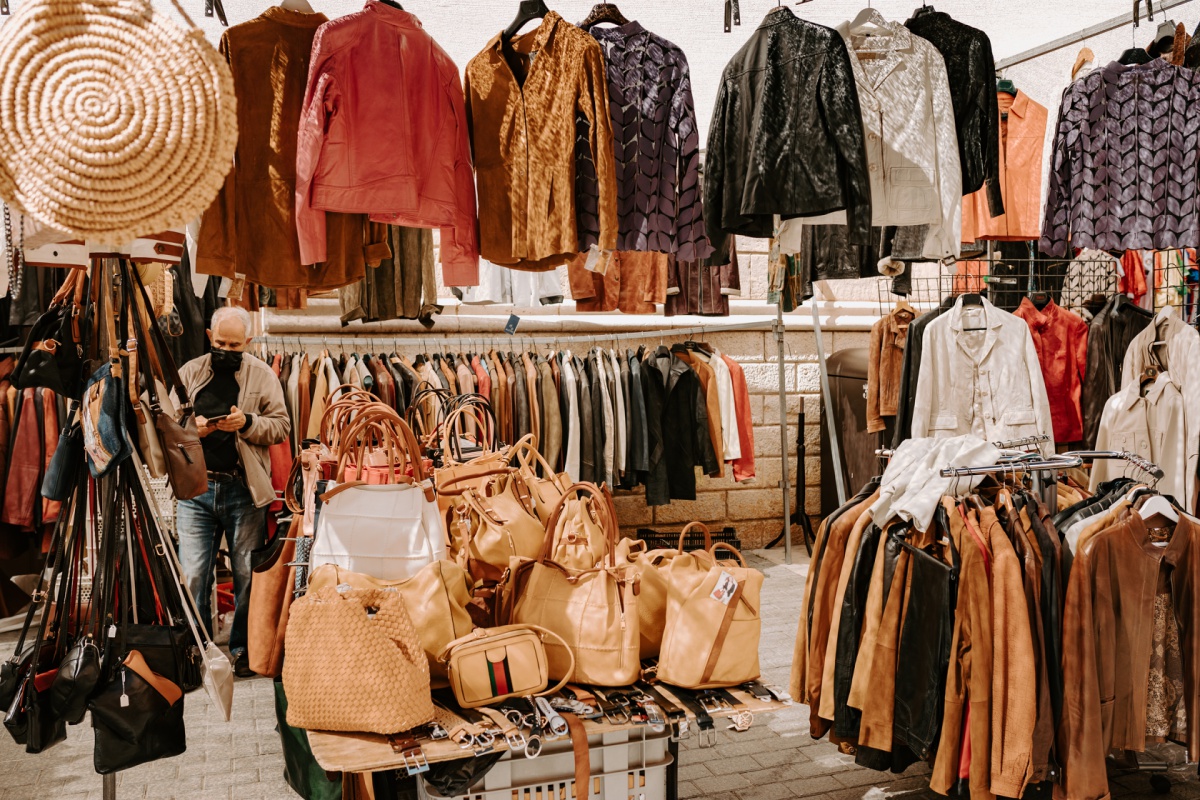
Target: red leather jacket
{"points": [[384, 132]]}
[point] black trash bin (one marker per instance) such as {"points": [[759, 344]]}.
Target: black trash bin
{"points": [[858, 462]]}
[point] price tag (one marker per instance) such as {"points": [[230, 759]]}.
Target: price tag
{"points": [[726, 586], [511, 327]]}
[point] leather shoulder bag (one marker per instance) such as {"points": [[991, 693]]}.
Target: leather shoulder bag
{"points": [[490, 665]]}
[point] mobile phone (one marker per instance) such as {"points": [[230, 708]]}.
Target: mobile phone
{"points": [[212, 420]]}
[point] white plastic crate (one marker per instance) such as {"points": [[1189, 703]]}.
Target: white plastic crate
{"points": [[626, 765]]}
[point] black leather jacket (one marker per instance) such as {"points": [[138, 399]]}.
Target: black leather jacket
{"points": [[972, 73], [786, 135], [1109, 335]]}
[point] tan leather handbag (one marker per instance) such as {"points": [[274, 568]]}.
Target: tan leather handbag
{"points": [[546, 488], [354, 663], [436, 599], [491, 665], [651, 567], [712, 623], [595, 611], [493, 525], [580, 541]]}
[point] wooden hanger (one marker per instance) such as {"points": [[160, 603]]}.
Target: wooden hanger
{"points": [[604, 12], [904, 307]]}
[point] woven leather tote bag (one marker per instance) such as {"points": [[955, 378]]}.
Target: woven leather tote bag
{"points": [[354, 663]]}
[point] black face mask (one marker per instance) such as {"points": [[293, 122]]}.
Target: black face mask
{"points": [[226, 360]]}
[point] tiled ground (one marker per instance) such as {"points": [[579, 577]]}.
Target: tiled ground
{"points": [[241, 760]]}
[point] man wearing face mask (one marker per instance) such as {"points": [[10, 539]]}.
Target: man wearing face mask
{"points": [[240, 413]]}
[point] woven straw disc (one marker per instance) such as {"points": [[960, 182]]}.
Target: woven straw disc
{"points": [[114, 121]]}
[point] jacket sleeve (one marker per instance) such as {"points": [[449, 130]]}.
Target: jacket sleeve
{"points": [[594, 105], [990, 113], [215, 246], [460, 242], [1056, 217], [714, 167], [375, 243], [838, 95], [1080, 733], [944, 238], [270, 423], [729, 275], [922, 402], [1037, 391], [320, 106], [875, 421], [1081, 345], [706, 455], [1014, 682], [691, 241]]}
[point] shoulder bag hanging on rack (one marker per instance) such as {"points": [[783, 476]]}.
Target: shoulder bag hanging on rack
{"points": [[595, 611], [180, 441], [105, 434], [53, 354], [389, 530]]}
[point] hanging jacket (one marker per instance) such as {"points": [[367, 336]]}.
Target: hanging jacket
{"points": [[1124, 147], [984, 382], [785, 140], [907, 117], [384, 133], [523, 133], [677, 421], [1022, 124], [971, 69]]}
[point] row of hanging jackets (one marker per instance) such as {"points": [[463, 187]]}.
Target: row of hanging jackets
{"points": [[963, 622], [30, 420], [505, 136], [649, 417]]}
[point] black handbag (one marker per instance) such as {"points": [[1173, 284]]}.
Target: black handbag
{"points": [[31, 721], [169, 650], [53, 354], [62, 474], [79, 671], [135, 722]]}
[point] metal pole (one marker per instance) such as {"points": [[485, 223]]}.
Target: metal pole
{"points": [[785, 482], [835, 447], [109, 786]]}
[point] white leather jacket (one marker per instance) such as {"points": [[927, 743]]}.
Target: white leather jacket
{"points": [[980, 375]]}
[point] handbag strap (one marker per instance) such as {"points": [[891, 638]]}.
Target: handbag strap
{"points": [[723, 546], [719, 642], [696, 525], [45, 579], [486, 421], [604, 510], [165, 361]]}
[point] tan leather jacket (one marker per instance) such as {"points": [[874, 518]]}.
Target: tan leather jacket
{"points": [[1107, 641]]}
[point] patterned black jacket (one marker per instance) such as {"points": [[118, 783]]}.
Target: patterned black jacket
{"points": [[786, 136]]}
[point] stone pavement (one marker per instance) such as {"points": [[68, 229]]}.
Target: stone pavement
{"points": [[241, 760]]}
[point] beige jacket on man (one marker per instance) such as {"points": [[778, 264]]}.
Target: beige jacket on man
{"points": [[260, 397]]}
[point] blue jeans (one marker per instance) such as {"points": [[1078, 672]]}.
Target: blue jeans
{"points": [[225, 508]]}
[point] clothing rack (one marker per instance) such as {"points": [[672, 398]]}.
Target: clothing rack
{"points": [[1084, 34], [369, 341], [1016, 464], [1145, 465], [1011, 444]]}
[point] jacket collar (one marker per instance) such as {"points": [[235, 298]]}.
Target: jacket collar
{"points": [[1042, 318], [1175, 549], [1020, 105], [392, 15], [887, 50], [992, 321], [626, 31], [778, 16], [298, 19]]}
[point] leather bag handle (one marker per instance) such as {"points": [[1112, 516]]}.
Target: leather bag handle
{"points": [[708, 545], [486, 422], [723, 546], [604, 510]]}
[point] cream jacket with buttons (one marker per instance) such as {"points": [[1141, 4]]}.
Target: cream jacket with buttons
{"points": [[1150, 423], [912, 145], [1180, 355], [980, 375]]}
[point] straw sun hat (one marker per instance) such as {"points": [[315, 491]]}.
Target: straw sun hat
{"points": [[114, 121]]}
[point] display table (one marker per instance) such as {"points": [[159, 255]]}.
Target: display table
{"points": [[370, 752]]}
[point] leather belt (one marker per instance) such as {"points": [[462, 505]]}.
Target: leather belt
{"points": [[225, 477], [704, 720]]}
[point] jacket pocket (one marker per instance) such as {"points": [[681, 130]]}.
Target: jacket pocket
{"points": [[944, 422], [1018, 417], [909, 195]]}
